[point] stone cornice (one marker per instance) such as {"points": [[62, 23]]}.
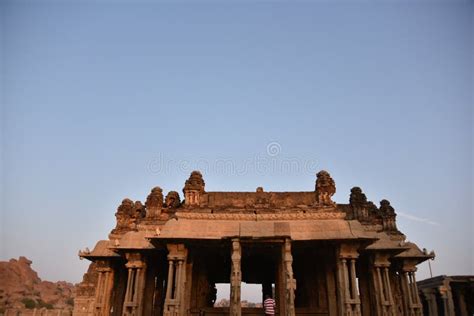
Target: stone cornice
{"points": [[261, 217]]}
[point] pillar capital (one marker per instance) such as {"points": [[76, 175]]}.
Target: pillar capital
{"points": [[348, 251], [135, 260], [381, 260], [177, 252]]}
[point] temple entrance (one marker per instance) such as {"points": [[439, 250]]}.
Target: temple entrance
{"points": [[260, 263], [250, 295], [313, 268], [263, 273]]}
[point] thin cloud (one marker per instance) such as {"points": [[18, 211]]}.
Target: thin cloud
{"points": [[417, 219]]}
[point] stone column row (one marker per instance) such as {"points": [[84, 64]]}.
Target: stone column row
{"points": [[104, 288], [385, 304], [384, 297], [348, 294], [430, 297], [133, 302], [175, 287], [411, 299]]}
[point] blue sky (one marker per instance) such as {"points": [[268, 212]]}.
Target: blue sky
{"points": [[103, 100]]}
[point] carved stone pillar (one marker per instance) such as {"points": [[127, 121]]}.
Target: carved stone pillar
{"points": [[133, 303], [411, 299], [430, 297], [347, 292], [447, 299], [462, 303], [104, 287], [381, 285], [289, 281], [176, 284], [235, 279]]}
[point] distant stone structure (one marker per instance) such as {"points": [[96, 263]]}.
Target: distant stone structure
{"points": [[447, 295], [317, 256]]}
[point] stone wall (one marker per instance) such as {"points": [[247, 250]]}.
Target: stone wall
{"points": [[254, 199]]}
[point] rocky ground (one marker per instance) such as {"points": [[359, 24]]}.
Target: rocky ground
{"points": [[21, 288]]}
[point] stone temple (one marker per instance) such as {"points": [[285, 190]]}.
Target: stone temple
{"points": [[315, 256]]}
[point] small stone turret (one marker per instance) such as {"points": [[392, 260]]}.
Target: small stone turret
{"points": [[193, 188], [358, 202], [154, 202], [325, 188], [387, 212]]}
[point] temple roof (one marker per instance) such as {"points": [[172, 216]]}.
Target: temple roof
{"points": [[328, 229], [133, 240], [385, 243], [102, 249], [415, 253]]}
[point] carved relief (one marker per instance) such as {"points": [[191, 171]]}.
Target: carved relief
{"points": [[266, 216], [387, 212], [325, 188], [125, 216], [139, 210], [290, 282], [358, 203], [357, 198], [172, 200], [262, 200], [235, 279], [386, 209]]}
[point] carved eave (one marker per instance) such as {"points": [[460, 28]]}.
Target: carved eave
{"points": [[414, 254], [387, 245], [102, 250], [136, 241], [298, 227]]}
